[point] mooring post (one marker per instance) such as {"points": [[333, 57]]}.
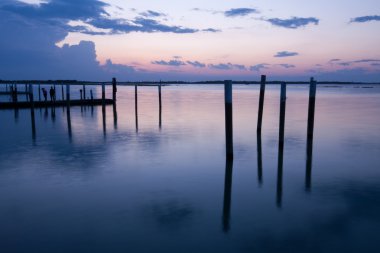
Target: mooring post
{"points": [[310, 119], [31, 99], [136, 109], [62, 93], [282, 115], [261, 103], [160, 106], [68, 96], [39, 92], [91, 95], [103, 94], [114, 89], [81, 94], [26, 92], [15, 93], [228, 119], [84, 92]]}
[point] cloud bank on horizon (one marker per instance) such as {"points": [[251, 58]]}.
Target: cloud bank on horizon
{"points": [[99, 39]]}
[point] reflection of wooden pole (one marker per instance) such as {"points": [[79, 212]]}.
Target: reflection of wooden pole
{"points": [[227, 195], [309, 163], [279, 176], [261, 103], [282, 114], [310, 119], [228, 119], [31, 99], [259, 160]]}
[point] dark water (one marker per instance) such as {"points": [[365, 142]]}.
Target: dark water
{"points": [[109, 187]]}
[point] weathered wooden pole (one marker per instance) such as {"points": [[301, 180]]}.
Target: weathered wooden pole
{"points": [[160, 106], [227, 195], [282, 115], [39, 92], [84, 92], [91, 95], [26, 93], [261, 103], [15, 94], [31, 99], [259, 160], [228, 119], [103, 94], [62, 93], [310, 119], [114, 89], [81, 94], [114, 116], [281, 144], [68, 96], [136, 109]]}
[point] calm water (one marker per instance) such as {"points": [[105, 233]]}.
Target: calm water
{"points": [[109, 187]]}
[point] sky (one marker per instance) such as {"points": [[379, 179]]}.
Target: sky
{"points": [[195, 40]]}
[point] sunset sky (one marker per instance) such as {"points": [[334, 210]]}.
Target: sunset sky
{"points": [[190, 40]]}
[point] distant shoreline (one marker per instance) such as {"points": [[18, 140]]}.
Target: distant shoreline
{"points": [[75, 82]]}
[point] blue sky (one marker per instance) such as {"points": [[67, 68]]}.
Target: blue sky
{"points": [[193, 40]]}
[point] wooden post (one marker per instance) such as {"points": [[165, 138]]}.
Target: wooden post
{"points": [[62, 93], [91, 95], [114, 89], [136, 109], [26, 92], [160, 106], [227, 195], [311, 111], [15, 99], [103, 94], [81, 94], [282, 115], [228, 119], [281, 144], [309, 163], [84, 92], [68, 96], [31, 99], [39, 92], [261, 103], [55, 94]]}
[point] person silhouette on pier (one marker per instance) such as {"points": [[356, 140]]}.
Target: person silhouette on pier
{"points": [[44, 92], [52, 94]]}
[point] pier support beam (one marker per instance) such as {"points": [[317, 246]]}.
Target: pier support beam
{"points": [[228, 119], [261, 104]]}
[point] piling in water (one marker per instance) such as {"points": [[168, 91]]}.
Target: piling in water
{"points": [[159, 106], [228, 119], [282, 115], [114, 89], [261, 103], [259, 160], [62, 93], [31, 99], [39, 92], [103, 93], [84, 92], [311, 111], [68, 95], [136, 109]]}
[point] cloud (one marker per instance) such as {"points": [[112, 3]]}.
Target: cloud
{"points": [[287, 66], [227, 66], [117, 69], [239, 12], [365, 19], [174, 63], [294, 22], [285, 54], [258, 67], [92, 12], [348, 63], [152, 14], [334, 60], [196, 64], [212, 30]]}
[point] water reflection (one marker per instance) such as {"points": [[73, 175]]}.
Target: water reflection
{"points": [[114, 115], [104, 120], [227, 195], [259, 159], [309, 163]]}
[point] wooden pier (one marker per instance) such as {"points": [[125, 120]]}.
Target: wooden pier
{"points": [[58, 103]]}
